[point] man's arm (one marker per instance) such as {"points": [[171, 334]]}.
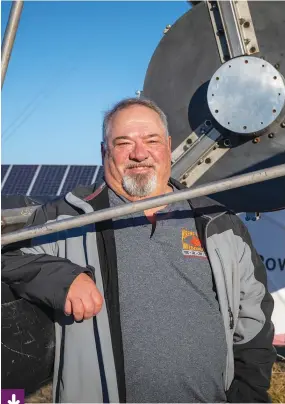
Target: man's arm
{"points": [[254, 353], [36, 273]]}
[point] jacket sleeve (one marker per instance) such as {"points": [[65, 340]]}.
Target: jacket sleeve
{"points": [[33, 269], [254, 353]]}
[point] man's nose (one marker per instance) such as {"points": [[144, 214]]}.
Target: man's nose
{"points": [[139, 152]]}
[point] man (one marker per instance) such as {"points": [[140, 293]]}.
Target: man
{"points": [[166, 305]]}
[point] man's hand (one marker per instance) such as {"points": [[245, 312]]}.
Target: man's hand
{"points": [[83, 299]]}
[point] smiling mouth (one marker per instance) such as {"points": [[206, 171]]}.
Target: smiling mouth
{"points": [[139, 169]]}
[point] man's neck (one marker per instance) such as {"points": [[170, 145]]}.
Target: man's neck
{"points": [[149, 213]]}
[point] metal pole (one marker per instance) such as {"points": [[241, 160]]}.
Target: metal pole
{"points": [[9, 37], [111, 213]]}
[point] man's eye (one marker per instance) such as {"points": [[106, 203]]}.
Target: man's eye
{"points": [[121, 144], [153, 141]]}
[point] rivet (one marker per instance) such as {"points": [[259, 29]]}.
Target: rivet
{"points": [[256, 140], [189, 141], [246, 24], [271, 135], [208, 160], [283, 124]]}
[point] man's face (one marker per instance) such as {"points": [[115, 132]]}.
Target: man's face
{"points": [[137, 161]]}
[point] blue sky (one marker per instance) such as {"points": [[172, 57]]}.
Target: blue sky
{"points": [[71, 61]]}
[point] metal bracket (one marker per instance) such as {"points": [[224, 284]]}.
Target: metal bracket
{"points": [[192, 162], [233, 28], [181, 155], [219, 32], [246, 27]]}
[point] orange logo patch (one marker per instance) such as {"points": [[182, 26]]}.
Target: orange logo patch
{"points": [[191, 245]]}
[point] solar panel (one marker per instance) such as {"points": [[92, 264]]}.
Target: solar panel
{"points": [[78, 175], [4, 169], [48, 180], [19, 180], [100, 175]]}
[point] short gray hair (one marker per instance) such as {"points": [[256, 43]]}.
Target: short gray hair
{"points": [[128, 102]]}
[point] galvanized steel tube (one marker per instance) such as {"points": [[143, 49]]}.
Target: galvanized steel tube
{"points": [[9, 37], [111, 213]]}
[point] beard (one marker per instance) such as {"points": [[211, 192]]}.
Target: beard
{"points": [[139, 185]]}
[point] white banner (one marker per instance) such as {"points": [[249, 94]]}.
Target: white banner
{"points": [[268, 236]]}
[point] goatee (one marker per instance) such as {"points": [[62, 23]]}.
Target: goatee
{"points": [[139, 185]]}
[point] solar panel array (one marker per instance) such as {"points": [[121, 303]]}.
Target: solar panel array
{"points": [[47, 180]]}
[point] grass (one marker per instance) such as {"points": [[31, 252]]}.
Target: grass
{"points": [[277, 388]]}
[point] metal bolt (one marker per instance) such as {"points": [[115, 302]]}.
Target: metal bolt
{"points": [[184, 183], [200, 161], [189, 141], [252, 49], [185, 147], [271, 135], [283, 124], [256, 140], [208, 160], [247, 41], [241, 21], [208, 123], [185, 176], [227, 142], [246, 24]]}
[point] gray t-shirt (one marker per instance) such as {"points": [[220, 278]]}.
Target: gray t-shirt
{"points": [[173, 336]]}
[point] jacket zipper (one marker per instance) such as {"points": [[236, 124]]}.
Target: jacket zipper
{"points": [[227, 294]]}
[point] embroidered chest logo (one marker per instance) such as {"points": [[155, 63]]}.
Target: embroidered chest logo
{"points": [[191, 245]]}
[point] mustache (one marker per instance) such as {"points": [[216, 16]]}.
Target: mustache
{"points": [[139, 165]]}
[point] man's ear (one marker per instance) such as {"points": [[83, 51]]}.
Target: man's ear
{"points": [[169, 143]]}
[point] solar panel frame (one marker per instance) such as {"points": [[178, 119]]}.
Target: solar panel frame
{"points": [[19, 179], [78, 175], [48, 180], [4, 169]]}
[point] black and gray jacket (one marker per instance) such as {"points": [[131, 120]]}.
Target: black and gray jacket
{"points": [[89, 364]]}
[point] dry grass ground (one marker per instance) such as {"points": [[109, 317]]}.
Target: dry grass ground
{"points": [[277, 389]]}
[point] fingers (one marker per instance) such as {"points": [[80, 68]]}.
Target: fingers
{"points": [[68, 307], [83, 299], [84, 308], [77, 309], [98, 301]]}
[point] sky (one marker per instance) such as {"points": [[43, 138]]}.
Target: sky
{"points": [[72, 61]]}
